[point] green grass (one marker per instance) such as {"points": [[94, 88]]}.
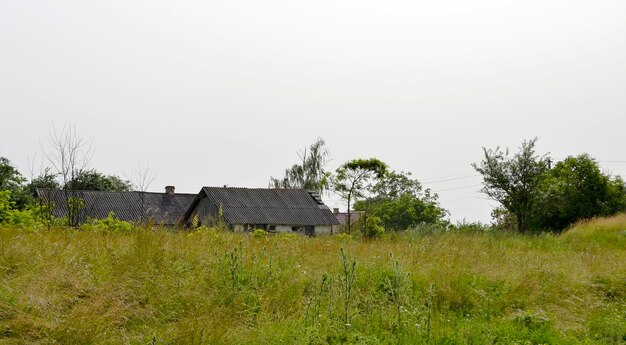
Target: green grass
{"points": [[161, 287]]}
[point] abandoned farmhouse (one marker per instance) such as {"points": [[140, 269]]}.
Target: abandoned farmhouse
{"points": [[241, 209], [161, 208]]}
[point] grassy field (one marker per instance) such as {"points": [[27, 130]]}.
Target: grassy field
{"points": [[208, 287]]}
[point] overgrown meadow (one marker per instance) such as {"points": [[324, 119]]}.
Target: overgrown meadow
{"points": [[155, 286]]}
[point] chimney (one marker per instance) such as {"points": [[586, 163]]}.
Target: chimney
{"points": [[335, 210], [170, 190]]}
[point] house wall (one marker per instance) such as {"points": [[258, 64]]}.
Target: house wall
{"points": [[207, 212], [322, 230], [319, 229]]}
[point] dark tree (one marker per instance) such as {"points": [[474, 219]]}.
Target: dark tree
{"points": [[95, 180], [400, 202], [46, 180], [577, 189], [514, 181], [12, 180]]}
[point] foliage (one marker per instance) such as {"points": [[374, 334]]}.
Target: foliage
{"points": [[259, 233], [74, 207], [343, 237], [370, 226], [10, 177], [465, 226], [109, 224], [95, 180], [46, 180], [30, 216], [577, 189], [503, 219], [25, 217], [514, 181], [5, 203], [195, 222], [352, 178], [12, 180], [399, 201], [152, 286], [309, 174]]}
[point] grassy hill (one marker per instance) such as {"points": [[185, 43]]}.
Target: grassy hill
{"points": [[209, 287]]}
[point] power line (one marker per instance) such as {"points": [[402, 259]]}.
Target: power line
{"points": [[451, 179], [613, 162], [445, 190], [465, 198], [448, 178]]}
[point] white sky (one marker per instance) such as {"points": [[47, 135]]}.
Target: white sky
{"points": [[225, 92]]}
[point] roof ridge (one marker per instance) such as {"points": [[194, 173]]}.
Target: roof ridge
{"points": [[258, 188]]}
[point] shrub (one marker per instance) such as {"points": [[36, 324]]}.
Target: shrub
{"points": [[426, 229], [343, 237], [9, 215], [371, 226], [24, 217], [259, 233], [108, 224], [211, 233], [464, 226]]}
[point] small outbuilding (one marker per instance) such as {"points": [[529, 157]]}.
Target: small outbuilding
{"points": [[273, 210], [342, 218]]}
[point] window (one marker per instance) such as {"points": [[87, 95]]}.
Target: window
{"points": [[272, 228]]}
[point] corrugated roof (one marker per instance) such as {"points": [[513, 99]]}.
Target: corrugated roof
{"points": [[161, 208], [268, 206]]}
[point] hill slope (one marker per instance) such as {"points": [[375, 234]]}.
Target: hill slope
{"points": [[207, 287]]}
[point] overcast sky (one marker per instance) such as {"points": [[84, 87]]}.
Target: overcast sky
{"points": [[226, 92]]}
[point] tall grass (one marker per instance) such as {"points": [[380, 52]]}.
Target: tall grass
{"points": [[153, 286]]}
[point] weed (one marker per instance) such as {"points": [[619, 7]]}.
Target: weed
{"points": [[212, 286], [347, 279]]}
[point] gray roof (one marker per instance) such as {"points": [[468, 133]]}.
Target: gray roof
{"points": [[162, 208], [267, 206]]}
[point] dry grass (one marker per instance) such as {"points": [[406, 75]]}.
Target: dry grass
{"points": [[155, 286]]}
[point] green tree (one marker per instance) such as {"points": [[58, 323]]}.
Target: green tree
{"points": [[12, 180], [400, 202], [95, 180], [5, 204], [310, 173], [514, 181], [352, 178], [370, 226], [46, 180], [577, 189]]}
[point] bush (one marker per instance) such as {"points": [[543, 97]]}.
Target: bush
{"points": [[5, 203], [343, 237], [259, 233], [212, 233], [426, 229], [108, 224], [24, 217], [371, 226], [464, 226]]}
